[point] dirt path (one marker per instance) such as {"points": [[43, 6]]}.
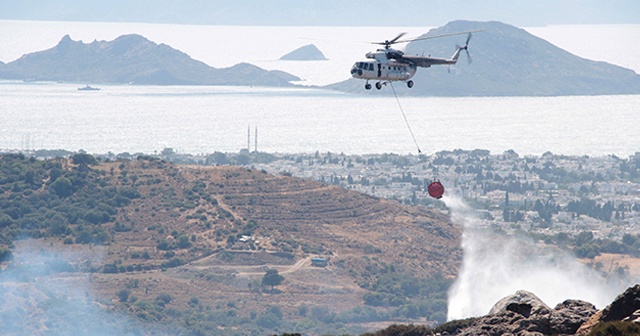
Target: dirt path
{"points": [[260, 269]]}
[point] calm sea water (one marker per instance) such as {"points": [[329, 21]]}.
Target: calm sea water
{"points": [[207, 119], [196, 119]]}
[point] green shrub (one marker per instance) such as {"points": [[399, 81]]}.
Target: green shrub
{"points": [[404, 330], [615, 328], [174, 262]]}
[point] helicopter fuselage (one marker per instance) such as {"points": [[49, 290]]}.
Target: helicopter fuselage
{"points": [[379, 67]]}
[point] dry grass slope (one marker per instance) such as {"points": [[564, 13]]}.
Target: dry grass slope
{"points": [[189, 221]]}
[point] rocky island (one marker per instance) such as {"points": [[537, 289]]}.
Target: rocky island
{"points": [[132, 59]]}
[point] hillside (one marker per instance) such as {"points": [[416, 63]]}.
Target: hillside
{"points": [[168, 244], [131, 59], [507, 61]]}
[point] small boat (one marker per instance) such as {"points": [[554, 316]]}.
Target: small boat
{"points": [[88, 88]]}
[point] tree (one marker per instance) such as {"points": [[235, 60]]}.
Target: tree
{"points": [[629, 240], [123, 295], [583, 238], [62, 186], [168, 152], [272, 278], [183, 241], [163, 299], [84, 159]]}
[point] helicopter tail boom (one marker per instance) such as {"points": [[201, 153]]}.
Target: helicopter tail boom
{"points": [[426, 62], [456, 55]]}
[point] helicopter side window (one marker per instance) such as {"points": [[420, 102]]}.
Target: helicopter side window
{"points": [[370, 66]]}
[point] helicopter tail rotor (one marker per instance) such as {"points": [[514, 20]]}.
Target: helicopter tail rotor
{"points": [[466, 48]]}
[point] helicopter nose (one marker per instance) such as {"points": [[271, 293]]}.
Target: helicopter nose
{"points": [[355, 71]]}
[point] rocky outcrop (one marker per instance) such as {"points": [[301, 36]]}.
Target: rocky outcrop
{"points": [[625, 307], [567, 317], [521, 297], [525, 314]]}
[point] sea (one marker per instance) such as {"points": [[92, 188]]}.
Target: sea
{"points": [[305, 119]]}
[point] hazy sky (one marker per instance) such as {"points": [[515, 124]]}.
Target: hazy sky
{"points": [[327, 12]]}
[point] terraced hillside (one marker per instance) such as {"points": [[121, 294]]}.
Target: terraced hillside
{"points": [[328, 219], [186, 241]]}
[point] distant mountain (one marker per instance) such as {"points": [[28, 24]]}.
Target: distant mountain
{"points": [[305, 53], [132, 59], [507, 61]]}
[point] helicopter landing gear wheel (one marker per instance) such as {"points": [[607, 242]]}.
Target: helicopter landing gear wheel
{"points": [[367, 86], [410, 84], [378, 85]]}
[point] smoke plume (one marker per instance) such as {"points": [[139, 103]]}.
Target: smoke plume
{"points": [[495, 265], [42, 293]]}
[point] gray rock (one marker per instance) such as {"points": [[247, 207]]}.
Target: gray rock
{"points": [[625, 305], [569, 315], [525, 314], [520, 296]]}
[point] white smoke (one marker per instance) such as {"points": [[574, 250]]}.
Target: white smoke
{"points": [[495, 266], [42, 293]]}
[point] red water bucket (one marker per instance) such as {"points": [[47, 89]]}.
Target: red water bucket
{"points": [[436, 189]]}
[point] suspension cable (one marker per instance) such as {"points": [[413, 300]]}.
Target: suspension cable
{"points": [[405, 118]]}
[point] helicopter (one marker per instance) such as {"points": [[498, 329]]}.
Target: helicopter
{"points": [[386, 64]]}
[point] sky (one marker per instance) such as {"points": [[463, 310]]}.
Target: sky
{"points": [[327, 12]]}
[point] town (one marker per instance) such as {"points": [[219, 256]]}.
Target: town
{"points": [[549, 196]]}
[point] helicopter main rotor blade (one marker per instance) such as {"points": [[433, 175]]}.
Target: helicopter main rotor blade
{"points": [[388, 43], [439, 36], [397, 37]]}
